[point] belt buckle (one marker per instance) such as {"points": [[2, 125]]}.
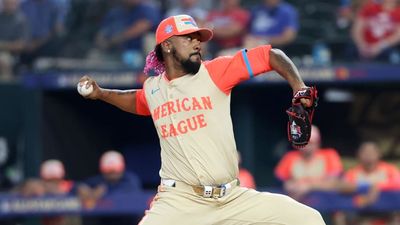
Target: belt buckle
{"points": [[211, 191], [208, 191], [223, 191]]}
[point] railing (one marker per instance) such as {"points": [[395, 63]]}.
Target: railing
{"points": [[136, 203]]}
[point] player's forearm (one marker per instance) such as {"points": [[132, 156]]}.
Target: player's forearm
{"points": [[123, 99], [286, 68]]}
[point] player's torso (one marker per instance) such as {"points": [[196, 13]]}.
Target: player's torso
{"points": [[192, 118]]}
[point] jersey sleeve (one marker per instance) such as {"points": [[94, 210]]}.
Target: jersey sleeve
{"points": [[228, 71], [142, 108]]}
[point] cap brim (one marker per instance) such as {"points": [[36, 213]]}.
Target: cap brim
{"points": [[205, 33]]}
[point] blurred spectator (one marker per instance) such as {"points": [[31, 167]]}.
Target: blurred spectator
{"points": [[32, 188], [123, 31], [371, 170], [376, 30], [374, 175], [46, 26], [114, 179], [52, 173], [275, 22], [229, 25], [63, 7], [5, 181], [204, 4], [191, 8], [347, 12], [194, 9], [302, 170], [83, 22], [14, 32], [245, 177]]}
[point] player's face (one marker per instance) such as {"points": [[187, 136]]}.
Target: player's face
{"points": [[186, 52]]}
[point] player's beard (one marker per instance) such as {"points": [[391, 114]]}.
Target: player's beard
{"points": [[188, 65]]}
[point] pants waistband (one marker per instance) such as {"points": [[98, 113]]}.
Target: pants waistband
{"points": [[206, 191]]}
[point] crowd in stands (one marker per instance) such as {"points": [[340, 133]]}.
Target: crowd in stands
{"points": [[320, 169], [313, 168], [101, 34]]}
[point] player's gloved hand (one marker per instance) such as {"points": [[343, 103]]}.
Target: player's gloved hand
{"points": [[95, 94], [300, 114]]}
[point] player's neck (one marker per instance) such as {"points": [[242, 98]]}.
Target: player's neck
{"points": [[173, 72]]}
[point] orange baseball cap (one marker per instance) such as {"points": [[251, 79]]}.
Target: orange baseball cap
{"points": [[180, 25], [52, 169], [112, 161]]}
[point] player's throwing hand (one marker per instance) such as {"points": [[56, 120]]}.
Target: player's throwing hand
{"points": [[88, 88]]}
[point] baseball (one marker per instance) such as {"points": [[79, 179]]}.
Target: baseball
{"points": [[81, 87]]}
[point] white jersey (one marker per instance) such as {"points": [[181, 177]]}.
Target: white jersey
{"points": [[192, 117]]}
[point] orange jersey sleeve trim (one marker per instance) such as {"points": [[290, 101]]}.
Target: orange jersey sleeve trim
{"points": [[228, 71], [142, 108]]}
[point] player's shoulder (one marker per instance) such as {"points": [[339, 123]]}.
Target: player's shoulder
{"points": [[153, 79]]}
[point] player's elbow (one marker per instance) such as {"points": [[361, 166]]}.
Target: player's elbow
{"points": [[276, 53], [277, 58]]}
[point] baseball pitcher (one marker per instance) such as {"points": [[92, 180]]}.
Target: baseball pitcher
{"points": [[189, 102]]}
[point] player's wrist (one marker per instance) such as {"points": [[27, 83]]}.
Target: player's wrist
{"points": [[102, 93], [298, 87]]}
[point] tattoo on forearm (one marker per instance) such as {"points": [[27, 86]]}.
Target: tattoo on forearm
{"points": [[128, 92], [118, 92]]}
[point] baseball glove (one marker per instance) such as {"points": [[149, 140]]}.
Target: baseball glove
{"points": [[300, 117]]}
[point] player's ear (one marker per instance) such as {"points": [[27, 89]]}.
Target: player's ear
{"points": [[166, 46]]}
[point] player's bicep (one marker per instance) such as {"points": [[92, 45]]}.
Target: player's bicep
{"points": [[228, 71]]}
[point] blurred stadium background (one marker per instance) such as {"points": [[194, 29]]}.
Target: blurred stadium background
{"points": [[43, 117]]}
